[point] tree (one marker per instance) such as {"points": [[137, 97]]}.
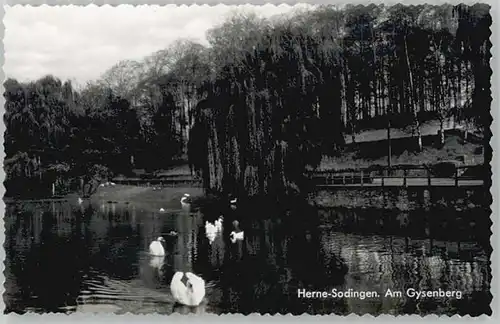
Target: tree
{"points": [[263, 102]]}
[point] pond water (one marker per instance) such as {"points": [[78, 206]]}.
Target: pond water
{"points": [[64, 257]]}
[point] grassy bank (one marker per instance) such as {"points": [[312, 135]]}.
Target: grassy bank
{"points": [[146, 198], [362, 155], [146, 194]]}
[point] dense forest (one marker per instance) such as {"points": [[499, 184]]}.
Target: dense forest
{"points": [[265, 99]]}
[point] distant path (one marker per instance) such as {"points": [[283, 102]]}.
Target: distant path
{"points": [[428, 128]]}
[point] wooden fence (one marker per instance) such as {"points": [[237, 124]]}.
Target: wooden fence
{"points": [[473, 175]]}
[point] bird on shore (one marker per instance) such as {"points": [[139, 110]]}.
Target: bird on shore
{"points": [[237, 234], [156, 247], [186, 199], [187, 288]]}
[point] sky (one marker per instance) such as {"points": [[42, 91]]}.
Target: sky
{"points": [[81, 42]]}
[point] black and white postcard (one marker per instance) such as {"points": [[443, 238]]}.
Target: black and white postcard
{"points": [[299, 159]]}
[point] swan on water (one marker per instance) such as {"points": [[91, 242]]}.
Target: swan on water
{"points": [[237, 234], [156, 247], [232, 203], [80, 200], [211, 237], [162, 210], [218, 223], [157, 262], [186, 199], [210, 231], [187, 288], [210, 228]]}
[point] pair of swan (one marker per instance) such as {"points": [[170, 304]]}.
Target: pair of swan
{"points": [[187, 288], [211, 230], [216, 226], [218, 223]]}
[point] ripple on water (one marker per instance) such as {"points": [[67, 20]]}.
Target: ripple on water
{"points": [[106, 267], [104, 294]]}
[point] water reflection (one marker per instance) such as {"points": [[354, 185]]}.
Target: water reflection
{"points": [[61, 258]]}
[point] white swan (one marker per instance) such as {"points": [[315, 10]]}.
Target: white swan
{"points": [[156, 247], [237, 234], [211, 237], [190, 293], [210, 231], [210, 228], [186, 199], [232, 203], [162, 210], [157, 262], [218, 223], [80, 201]]}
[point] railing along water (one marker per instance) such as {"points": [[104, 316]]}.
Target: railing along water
{"points": [[400, 176]]}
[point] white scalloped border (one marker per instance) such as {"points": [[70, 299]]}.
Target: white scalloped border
{"points": [[128, 317]]}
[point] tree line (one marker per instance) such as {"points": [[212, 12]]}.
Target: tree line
{"points": [[265, 98]]}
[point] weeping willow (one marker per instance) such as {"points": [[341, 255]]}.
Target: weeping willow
{"points": [[259, 126]]}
